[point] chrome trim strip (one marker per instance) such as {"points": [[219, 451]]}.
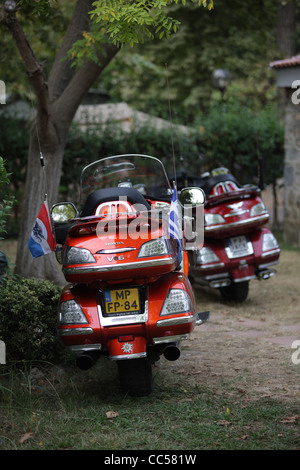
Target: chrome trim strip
{"points": [[177, 320], [219, 227], [75, 331], [213, 277], [270, 253], [242, 279], [203, 267], [114, 250], [170, 339], [220, 283], [122, 357], [119, 267], [266, 265], [79, 348]]}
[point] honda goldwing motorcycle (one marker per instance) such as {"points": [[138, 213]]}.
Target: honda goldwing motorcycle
{"points": [[129, 297], [238, 247]]}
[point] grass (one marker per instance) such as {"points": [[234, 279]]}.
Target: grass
{"points": [[68, 412], [282, 243]]}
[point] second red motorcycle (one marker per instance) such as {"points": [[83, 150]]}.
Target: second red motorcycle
{"points": [[238, 245]]}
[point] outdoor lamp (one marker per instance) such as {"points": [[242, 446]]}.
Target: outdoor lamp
{"points": [[221, 78]]}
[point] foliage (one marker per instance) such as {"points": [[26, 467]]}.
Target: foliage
{"points": [[219, 137], [6, 201], [126, 23], [234, 35], [14, 136], [130, 22], [44, 23], [234, 136], [28, 313], [230, 135]]}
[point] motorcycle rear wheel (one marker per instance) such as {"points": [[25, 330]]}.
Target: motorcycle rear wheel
{"points": [[136, 376], [236, 291]]}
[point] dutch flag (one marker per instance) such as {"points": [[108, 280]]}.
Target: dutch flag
{"points": [[42, 240], [175, 224]]}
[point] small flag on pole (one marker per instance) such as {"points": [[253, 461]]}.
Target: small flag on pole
{"points": [[175, 224], [42, 240]]}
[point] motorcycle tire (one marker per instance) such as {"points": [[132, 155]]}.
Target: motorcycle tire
{"points": [[237, 291], [136, 376]]}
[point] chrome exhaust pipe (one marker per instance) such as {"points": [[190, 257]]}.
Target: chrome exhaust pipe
{"points": [[172, 352], [86, 360]]}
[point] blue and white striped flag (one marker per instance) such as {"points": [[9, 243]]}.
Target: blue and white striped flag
{"points": [[175, 224]]}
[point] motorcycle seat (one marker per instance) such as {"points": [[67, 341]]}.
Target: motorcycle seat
{"points": [[112, 194]]}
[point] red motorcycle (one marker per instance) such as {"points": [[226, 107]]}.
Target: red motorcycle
{"points": [[129, 297], [238, 246]]}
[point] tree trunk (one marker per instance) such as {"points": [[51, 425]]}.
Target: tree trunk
{"points": [[39, 181], [286, 27]]}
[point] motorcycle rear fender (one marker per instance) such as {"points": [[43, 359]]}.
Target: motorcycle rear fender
{"points": [[89, 333], [156, 326], [164, 326]]}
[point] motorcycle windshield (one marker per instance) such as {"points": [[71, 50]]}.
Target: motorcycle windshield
{"points": [[142, 172]]}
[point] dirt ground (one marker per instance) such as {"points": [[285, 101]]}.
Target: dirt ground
{"points": [[248, 348]]}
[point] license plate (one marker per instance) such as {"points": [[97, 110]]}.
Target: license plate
{"points": [[238, 246], [122, 301]]}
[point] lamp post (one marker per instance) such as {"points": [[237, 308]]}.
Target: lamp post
{"points": [[221, 78]]}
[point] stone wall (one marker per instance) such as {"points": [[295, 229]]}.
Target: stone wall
{"points": [[292, 171]]}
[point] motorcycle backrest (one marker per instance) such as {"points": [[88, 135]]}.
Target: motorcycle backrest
{"points": [[113, 194]]}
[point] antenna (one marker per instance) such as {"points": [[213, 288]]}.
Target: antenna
{"points": [[171, 124], [42, 162]]}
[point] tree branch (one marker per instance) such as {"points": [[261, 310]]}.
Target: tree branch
{"points": [[33, 67], [84, 78], [61, 72]]}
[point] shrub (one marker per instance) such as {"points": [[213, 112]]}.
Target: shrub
{"points": [[234, 136], [28, 319]]}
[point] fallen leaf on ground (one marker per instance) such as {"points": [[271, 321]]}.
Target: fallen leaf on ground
{"points": [[289, 419], [112, 414], [223, 422], [28, 435]]}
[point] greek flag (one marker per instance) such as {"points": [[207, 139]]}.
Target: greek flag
{"points": [[175, 224]]}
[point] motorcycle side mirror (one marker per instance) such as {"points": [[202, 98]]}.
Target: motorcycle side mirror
{"points": [[192, 196], [63, 212]]}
